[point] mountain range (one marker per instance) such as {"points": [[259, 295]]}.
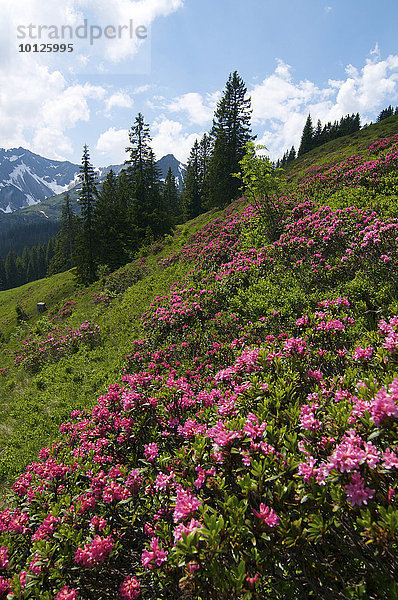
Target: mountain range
{"points": [[33, 187]]}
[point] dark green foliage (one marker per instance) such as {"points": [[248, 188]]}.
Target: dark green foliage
{"points": [[29, 235], [13, 279], [230, 133], [387, 112], [64, 249], [287, 158], [313, 138], [86, 255], [171, 197], [3, 278], [307, 137], [111, 225], [192, 200], [149, 216]]}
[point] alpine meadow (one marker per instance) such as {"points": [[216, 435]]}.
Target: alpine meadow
{"points": [[206, 407]]}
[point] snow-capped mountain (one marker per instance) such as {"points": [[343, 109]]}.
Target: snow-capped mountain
{"points": [[27, 178], [177, 168]]}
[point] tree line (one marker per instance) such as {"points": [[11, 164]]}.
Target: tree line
{"points": [[135, 208], [128, 211], [313, 137], [33, 264], [387, 112]]}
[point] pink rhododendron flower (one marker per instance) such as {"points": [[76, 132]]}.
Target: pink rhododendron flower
{"points": [[267, 515], [151, 451], [390, 460], [252, 426], [185, 505], [4, 561], [307, 418], [155, 555], [193, 525], [362, 353], [67, 593], [306, 470], [163, 481], [383, 406], [130, 588], [4, 587], [348, 455], [357, 493], [95, 552]]}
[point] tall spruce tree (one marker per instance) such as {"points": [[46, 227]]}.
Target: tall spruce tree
{"points": [[3, 277], [230, 133], [87, 249], [10, 266], [205, 153], [64, 254], [191, 197], [307, 138], [148, 213], [171, 198], [110, 225]]}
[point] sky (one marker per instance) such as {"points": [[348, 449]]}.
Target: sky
{"points": [[170, 60]]}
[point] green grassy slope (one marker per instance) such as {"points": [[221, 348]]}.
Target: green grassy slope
{"points": [[336, 150], [33, 405]]}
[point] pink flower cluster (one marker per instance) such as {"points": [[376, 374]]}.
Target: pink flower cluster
{"points": [[155, 556], [94, 552]]}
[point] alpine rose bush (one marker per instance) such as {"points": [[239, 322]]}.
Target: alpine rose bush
{"points": [[238, 458]]}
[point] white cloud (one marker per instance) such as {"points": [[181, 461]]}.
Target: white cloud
{"points": [[111, 145], [141, 89], [123, 17], [37, 101], [200, 110], [281, 104], [169, 137], [118, 100], [51, 143], [37, 105], [375, 51]]}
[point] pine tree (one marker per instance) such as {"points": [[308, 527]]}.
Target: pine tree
{"points": [[86, 257], [160, 219], [149, 217], [50, 248], [229, 134], [317, 137], [292, 154], [20, 271], [110, 225], [3, 277], [191, 198], [307, 137], [125, 199], [205, 153], [64, 253], [10, 266], [171, 196], [385, 113]]}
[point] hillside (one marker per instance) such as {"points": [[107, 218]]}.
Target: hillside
{"points": [[230, 405]]}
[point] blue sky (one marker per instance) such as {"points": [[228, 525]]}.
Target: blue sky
{"points": [[329, 58]]}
